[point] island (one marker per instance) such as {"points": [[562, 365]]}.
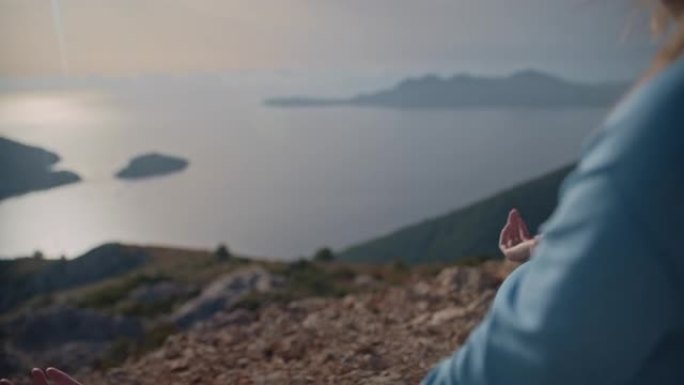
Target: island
{"points": [[25, 168], [152, 165], [526, 89]]}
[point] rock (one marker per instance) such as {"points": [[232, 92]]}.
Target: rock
{"points": [[387, 335], [236, 317], [465, 280], [447, 315], [364, 280], [121, 377], [221, 294], [158, 292], [422, 289], [376, 363]]}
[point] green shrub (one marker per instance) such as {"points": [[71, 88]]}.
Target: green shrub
{"points": [[222, 253], [473, 261], [110, 295], [324, 255], [123, 348], [400, 265], [301, 264], [148, 310], [344, 273]]}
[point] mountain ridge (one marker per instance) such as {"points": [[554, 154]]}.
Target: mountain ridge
{"points": [[529, 88], [471, 231]]}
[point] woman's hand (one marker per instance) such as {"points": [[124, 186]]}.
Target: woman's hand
{"points": [[40, 377], [515, 240]]}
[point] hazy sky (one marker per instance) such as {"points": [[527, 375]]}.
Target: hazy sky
{"points": [[113, 37]]}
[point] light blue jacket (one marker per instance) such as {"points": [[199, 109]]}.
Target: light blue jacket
{"points": [[602, 300]]}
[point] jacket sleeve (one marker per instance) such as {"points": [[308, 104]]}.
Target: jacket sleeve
{"points": [[589, 308]]}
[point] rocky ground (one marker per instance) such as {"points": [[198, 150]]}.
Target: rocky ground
{"points": [[383, 335]]}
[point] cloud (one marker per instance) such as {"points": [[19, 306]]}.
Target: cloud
{"points": [[143, 36]]}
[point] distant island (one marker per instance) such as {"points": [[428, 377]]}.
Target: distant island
{"points": [[25, 168], [151, 165], [527, 89]]}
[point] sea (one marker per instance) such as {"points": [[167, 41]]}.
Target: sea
{"points": [[268, 182]]}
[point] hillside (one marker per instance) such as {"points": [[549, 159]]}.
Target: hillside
{"points": [[469, 232], [25, 278], [26, 168], [147, 315], [121, 306], [315, 323], [528, 89]]}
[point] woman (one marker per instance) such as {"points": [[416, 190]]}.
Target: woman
{"points": [[602, 300]]}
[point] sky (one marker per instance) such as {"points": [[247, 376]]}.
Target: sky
{"points": [[581, 38]]}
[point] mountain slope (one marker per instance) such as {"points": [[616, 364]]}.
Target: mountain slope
{"points": [[24, 278], [386, 334], [530, 89], [469, 232]]}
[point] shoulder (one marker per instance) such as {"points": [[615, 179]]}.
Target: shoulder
{"points": [[655, 107], [639, 154], [645, 130]]}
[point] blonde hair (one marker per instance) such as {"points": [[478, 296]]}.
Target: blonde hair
{"points": [[667, 23]]}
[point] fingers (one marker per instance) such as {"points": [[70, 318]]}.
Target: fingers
{"points": [[512, 215], [520, 252], [514, 232], [41, 377], [503, 237], [38, 377], [508, 239], [504, 233], [523, 231], [506, 236], [60, 378]]}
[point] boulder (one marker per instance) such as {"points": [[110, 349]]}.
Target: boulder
{"points": [[222, 294]]}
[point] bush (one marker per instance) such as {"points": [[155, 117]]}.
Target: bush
{"points": [[301, 264], [222, 253], [303, 279], [344, 273], [306, 279], [400, 266], [472, 261], [108, 296], [149, 310], [123, 348], [324, 255]]}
